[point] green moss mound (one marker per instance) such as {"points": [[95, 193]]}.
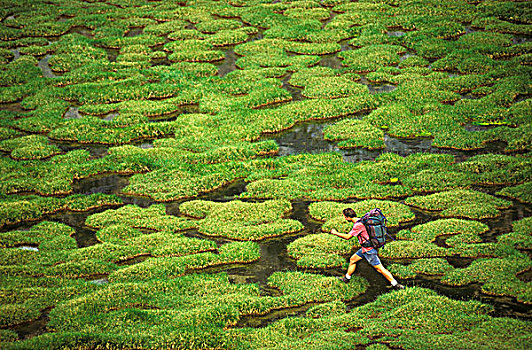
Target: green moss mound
{"points": [[319, 251], [437, 320], [43, 232], [153, 217], [429, 231], [520, 192], [354, 133], [15, 209], [331, 213], [432, 266], [241, 220], [461, 204], [370, 58], [29, 147], [520, 237], [498, 276]]}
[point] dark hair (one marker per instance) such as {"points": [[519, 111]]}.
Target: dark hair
{"points": [[349, 212]]}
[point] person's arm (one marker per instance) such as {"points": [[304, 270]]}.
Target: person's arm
{"points": [[340, 234]]}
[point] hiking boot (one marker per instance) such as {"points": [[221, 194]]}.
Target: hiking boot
{"points": [[344, 279], [399, 286]]}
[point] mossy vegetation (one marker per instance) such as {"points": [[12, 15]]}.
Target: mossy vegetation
{"points": [[434, 266], [189, 319], [431, 230], [241, 220], [40, 233], [355, 133], [370, 58], [520, 238], [522, 193], [180, 99], [15, 209], [319, 251], [333, 87], [461, 204], [153, 217], [488, 272], [387, 326], [29, 147]]}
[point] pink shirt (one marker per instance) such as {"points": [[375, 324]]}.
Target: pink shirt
{"points": [[359, 231]]}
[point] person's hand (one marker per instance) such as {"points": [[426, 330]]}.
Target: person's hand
{"points": [[333, 231]]}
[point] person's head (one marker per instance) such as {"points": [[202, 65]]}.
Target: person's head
{"points": [[349, 213]]}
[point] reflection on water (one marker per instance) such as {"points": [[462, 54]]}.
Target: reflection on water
{"points": [[503, 223], [108, 184], [34, 328], [304, 138], [228, 64], [82, 31], [16, 54], [85, 237], [96, 151], [520, 39], [72, 113], [45, 67], [294, 91], [110, 116], [331, 61], [100, 281], [397, 34], [33, 249], [377, 88], [134, 32], [308, 138], [407, 147], [381, 88]]}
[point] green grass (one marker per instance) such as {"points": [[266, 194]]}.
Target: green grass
{"points": [[520, 192], [319, 251], [429, 231], [461, 204], [241, 220], [355, 133], [153, 218]]}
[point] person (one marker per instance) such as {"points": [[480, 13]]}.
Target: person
{"points": [[366, 251]]}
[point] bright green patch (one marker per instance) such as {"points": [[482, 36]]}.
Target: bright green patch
{"points": [[430, 230], [461, 204], [434, 266], [241, 220], [355, 133], [319, 251], [153, 218], [522, 193]]}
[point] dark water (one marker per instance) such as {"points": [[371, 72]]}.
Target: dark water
{"points": [[305, 138], [45, 67], [228, 64], [331, 61], [308, 138], [72, 113]]}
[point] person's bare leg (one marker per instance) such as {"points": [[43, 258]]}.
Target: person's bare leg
{"points": [[353, 264], [382, 270]]}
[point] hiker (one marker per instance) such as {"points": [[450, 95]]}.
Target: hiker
{"points": [[367, 251]]}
